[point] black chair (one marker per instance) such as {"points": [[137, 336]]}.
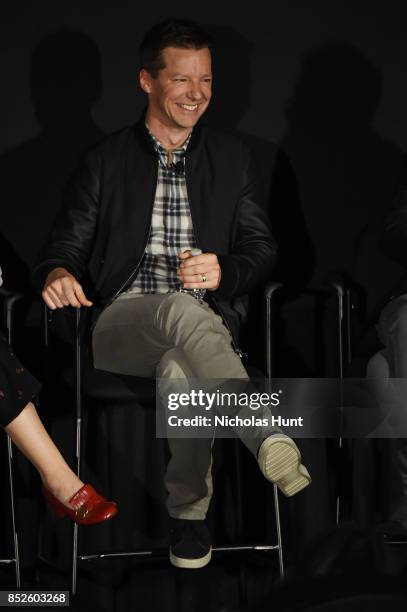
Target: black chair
{"points": [[352, 324], [104, 388], [359, 344], [345, 306], [9, 299], [338, 285]]}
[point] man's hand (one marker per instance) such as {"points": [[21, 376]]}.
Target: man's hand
{"points": [[62, 289], [192, 270]]}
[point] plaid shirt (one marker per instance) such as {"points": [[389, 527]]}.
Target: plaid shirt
{"points": [[171, 227]]}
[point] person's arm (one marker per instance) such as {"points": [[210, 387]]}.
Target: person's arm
{"points": [[62, 289], [254, 248], [253, 252], [62, 263], [393, 240]]}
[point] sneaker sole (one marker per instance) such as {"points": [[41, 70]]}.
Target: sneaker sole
{"points": [[190, 563], [280, 462]]}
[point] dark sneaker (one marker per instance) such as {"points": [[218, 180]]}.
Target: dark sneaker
{"points": [[190, 543], [279, 459]]}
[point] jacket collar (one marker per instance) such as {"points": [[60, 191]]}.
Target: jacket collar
{"points": [[144, 137]]}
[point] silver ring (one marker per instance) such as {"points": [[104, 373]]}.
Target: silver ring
{"points": [[203, 276]]}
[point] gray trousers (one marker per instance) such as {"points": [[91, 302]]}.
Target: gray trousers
{"points": [[173, 336]]}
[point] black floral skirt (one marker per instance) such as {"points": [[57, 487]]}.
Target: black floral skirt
{"points": [[17, 385]]}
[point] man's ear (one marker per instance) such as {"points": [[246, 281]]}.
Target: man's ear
{"points": [[145, 81]]}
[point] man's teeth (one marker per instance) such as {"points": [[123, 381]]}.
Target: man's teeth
{"points": [[188, 107]]}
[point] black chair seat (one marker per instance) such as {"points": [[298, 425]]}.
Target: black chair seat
{"points": [[107, 387], [102, 385]]}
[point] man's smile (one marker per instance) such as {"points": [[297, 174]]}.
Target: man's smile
{"points": [[188, 107]]}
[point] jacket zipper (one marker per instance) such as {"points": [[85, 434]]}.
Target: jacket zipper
{"points": [[210, 297], [132, 275], [121, 287]]}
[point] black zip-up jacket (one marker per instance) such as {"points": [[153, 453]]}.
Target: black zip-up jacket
{"points": [[102, 230]]}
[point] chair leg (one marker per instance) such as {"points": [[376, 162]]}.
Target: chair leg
{"points": [[239, 524], [13, 516], [75, 526], [75, 559], [239, 497], [269, 294], [78, 405], [278, 527]]}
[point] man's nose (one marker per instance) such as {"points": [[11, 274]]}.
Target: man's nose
{"points": [[195, 92]]}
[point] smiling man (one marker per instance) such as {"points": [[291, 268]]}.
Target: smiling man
{"points": [[165, 229], [179, 92]]}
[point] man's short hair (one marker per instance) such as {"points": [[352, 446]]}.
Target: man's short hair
{"points": [[170, 33]]}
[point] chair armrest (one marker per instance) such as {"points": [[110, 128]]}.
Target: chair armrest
{"points": [[345, 289], [78, 349], [337, 280], [9, 298], [79, 321], [270, 289]]}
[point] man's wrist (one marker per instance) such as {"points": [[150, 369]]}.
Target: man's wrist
{"points": [[56, 273]]}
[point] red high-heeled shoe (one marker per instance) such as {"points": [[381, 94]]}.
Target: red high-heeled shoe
{"points": [[88, 506]]}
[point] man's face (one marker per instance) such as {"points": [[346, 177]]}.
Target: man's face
{"points": [[180, 94]]}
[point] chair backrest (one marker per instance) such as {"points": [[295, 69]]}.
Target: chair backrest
{"points": [[9, 300]]}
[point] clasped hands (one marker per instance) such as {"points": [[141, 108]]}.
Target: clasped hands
{"points": [[62, 289]]}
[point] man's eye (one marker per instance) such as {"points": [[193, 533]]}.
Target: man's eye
{"points": [[181, 80]]}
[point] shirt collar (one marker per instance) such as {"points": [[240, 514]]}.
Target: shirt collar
{"points": [[162, 151]]}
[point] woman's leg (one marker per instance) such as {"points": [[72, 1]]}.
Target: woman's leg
{"points": [[30, 436]]}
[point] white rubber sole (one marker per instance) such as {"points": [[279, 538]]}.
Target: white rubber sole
{"points": [[190, 563], [280, 461]]}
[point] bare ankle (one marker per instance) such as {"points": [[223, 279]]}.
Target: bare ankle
{"points": [[62, 487]]}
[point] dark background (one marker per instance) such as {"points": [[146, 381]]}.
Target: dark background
{"points": [[317, 88]]}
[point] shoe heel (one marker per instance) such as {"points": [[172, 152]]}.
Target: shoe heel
{"points": [[293, 482], [59, 509], [280, 462], [59, 512]]}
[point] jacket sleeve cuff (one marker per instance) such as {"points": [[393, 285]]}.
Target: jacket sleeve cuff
{"points": [[229, 276], [40, 273]]}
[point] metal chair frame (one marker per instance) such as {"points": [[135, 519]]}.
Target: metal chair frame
{"points": [[9, 300], [345, 306]]}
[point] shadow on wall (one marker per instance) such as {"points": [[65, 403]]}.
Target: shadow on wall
{"points": [[231, 100], [65, 84], [346, 171]]}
